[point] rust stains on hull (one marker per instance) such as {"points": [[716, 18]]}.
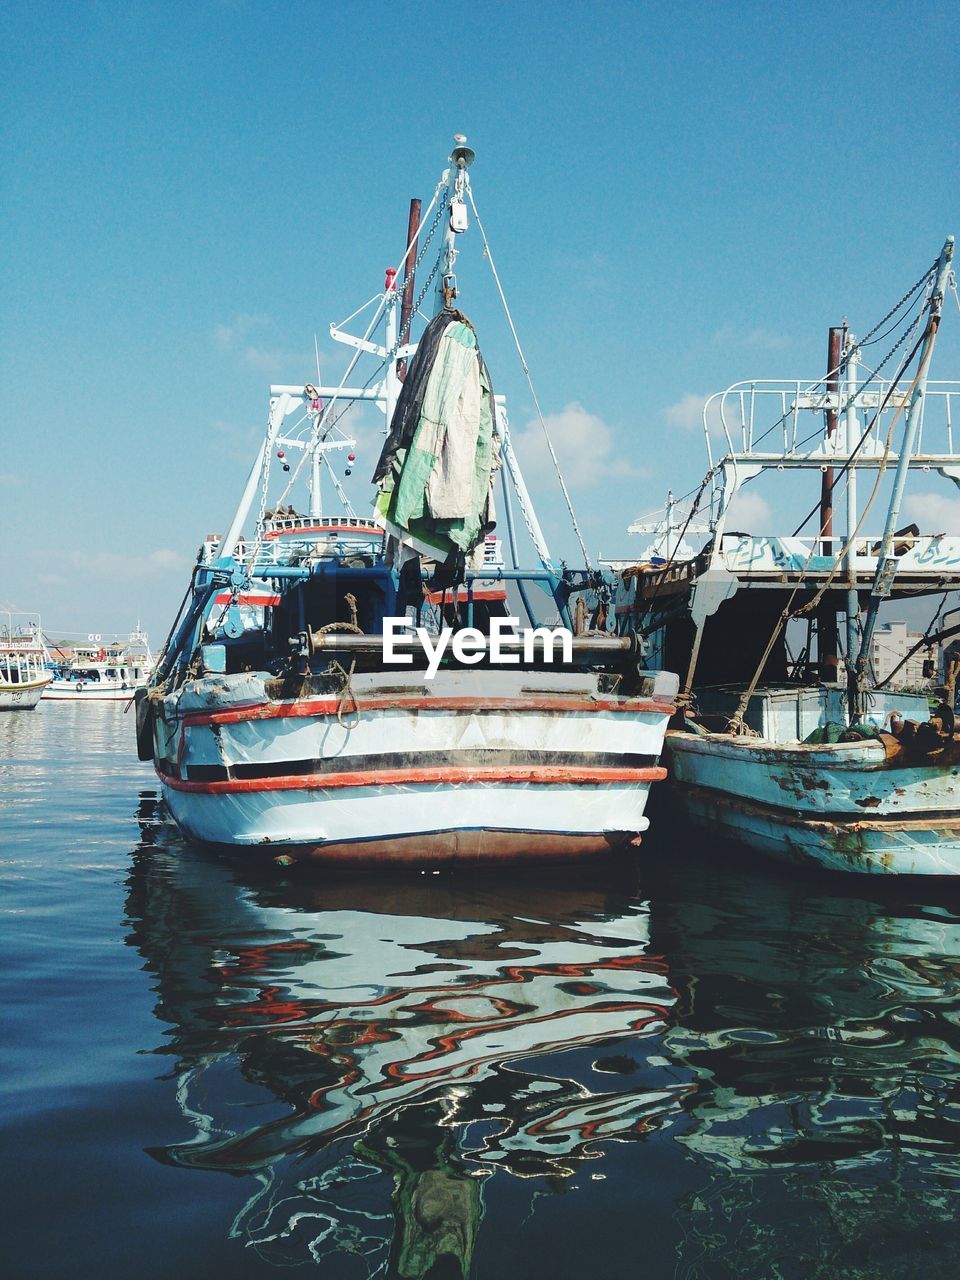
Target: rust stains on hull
{"points": [[445, 848], [893, 845]]}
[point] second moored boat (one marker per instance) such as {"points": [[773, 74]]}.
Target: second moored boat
{"points": [[815, 761]]}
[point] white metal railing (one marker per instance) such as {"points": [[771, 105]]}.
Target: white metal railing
{"points": [[318, 524], [278, 551], [769, 419]]}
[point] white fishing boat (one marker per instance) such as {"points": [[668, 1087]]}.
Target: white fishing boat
{"points": [[278, 718], [814, 759], [101, 670], [23, 665]]}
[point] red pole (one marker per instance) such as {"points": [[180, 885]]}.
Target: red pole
{"points": [[827, 613], [409, 273]]}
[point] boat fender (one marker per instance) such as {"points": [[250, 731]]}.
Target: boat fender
{"points": [[944, 719], [145, 711], [893, 748], [928, 738], [860, 732], [79, 686]]}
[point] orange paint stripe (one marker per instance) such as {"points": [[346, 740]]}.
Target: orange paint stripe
{"points": [[569, 774], [328, 707], [483, 593]]}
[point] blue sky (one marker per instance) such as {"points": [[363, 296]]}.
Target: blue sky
{"points": [[676, 197]]}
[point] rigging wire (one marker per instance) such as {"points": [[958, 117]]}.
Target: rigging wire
{"points": [[867, 341], [873, 421], [925, 639], [787, 614], [324, 420], [526, 372], [348, 506]]}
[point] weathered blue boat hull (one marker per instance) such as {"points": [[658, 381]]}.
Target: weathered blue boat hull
{"points": [[879, 846], [842, 807]]}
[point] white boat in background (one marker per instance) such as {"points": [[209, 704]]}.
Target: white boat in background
{"points": [[276, 719], [102, 672], [23, 665]]}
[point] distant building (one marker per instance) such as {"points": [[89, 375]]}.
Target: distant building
{"points": [[949, 654], [891, 644]]}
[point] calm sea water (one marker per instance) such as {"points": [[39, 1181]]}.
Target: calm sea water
{"points": [[694, 1069]]}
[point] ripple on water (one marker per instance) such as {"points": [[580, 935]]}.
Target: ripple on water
{"points": [[719, 1069]]}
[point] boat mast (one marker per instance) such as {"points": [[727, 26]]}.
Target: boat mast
{"points": [[462, 157], [886, 561], [851, 436], [316, 500], [391, 382], [827, 612], [409, 278]]}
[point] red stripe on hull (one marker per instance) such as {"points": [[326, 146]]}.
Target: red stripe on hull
{"points": [[248, 597], [438, 597], [543, 774], [328, 707]]}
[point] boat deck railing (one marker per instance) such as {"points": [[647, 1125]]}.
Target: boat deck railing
{"points": [[773, 421], [933, 556], [314, 524], [337, 535]]}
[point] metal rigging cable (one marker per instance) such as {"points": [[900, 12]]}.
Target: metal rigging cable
{"points": [[736, 721], [526, 372]]}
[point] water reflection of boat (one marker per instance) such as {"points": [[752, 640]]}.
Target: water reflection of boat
{"points": [[819, 1034], [428, 1034], [398, 1075]]}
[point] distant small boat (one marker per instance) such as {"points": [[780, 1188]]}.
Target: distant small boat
{"points": [[23, 673], [98, 672]]}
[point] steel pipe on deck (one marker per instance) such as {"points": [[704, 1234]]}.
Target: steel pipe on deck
{"points": [[582, 647]]}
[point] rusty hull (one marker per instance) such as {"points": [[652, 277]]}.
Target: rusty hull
{"points": [[460, 847], [893, 845]]}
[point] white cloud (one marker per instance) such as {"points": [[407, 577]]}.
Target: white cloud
{"points": [[248, 337], [750, 512], [585, 445], [276, 359], [933, 512], [756, 339], [116, 564], [239, 444], [227, 336], [687, 414]]}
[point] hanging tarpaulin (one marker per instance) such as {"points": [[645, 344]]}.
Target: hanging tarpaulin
{"points": [[437, 466]]}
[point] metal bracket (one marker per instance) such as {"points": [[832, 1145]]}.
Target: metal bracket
{"points": [[360, 343], [886, 576]]}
